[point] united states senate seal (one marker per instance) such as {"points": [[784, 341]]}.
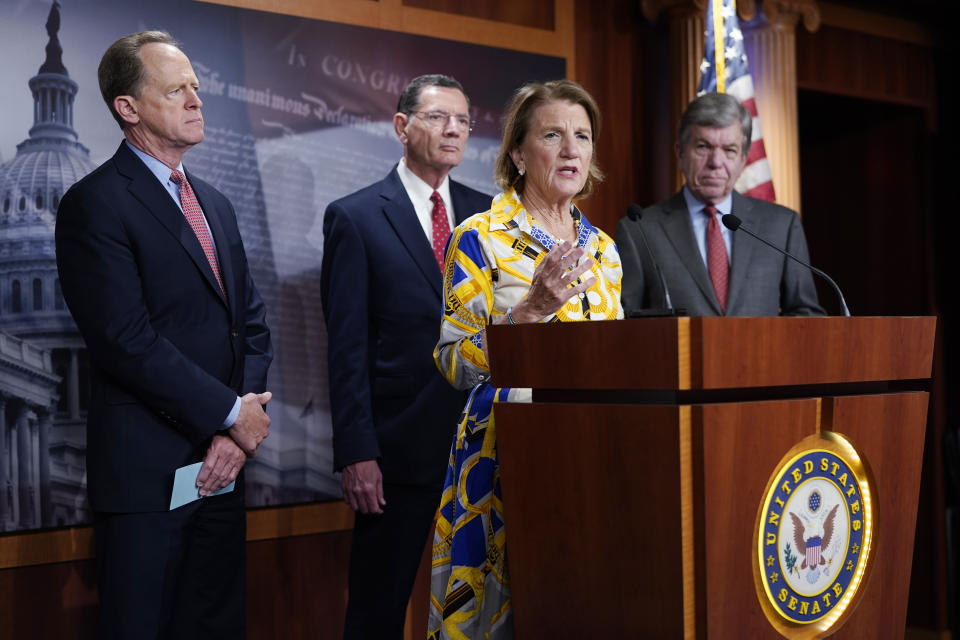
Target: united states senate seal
{"points": [[814, 536]]}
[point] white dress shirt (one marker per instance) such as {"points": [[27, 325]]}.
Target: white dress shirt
{"points": [[419, 193]]}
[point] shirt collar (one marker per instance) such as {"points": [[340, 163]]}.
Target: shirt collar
{"points": [[417, 189], [508, 213], [157, 168], [725, 206]]}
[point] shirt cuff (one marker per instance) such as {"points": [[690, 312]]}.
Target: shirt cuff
{"points": [[232, 417]]}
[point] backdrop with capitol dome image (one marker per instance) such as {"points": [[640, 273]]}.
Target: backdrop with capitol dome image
{"points": [[298, 113]]}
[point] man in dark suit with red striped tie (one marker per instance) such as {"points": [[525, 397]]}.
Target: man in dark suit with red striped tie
{"points": [[393, 414], [153, 270]]}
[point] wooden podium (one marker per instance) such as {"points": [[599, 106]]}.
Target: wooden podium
{"points": [[632, 483]]}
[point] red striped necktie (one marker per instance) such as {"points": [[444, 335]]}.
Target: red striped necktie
{"points": [[441, 227], [717, 262], [194, 215]]}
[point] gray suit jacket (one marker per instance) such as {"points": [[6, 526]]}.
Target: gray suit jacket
{"points": [[762, 281]]}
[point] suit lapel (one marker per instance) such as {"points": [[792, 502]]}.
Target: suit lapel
{"points": [[145, 187], [402, 217], [677, 227], [741, 248], [461, 208]]}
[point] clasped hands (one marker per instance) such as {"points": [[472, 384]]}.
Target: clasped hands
{"points": [[230, 448]]}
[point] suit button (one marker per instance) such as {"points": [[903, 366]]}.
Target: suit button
{"points": [[234, 333]]}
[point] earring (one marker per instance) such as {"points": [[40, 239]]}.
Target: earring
{"points": [[520, 169]]}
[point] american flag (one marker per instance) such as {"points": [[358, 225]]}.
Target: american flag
{"points": [[724, 69]]}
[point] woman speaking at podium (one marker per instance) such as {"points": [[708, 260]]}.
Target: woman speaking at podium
{"points": [[533, 257]]}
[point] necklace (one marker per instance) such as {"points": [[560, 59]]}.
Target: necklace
{"points": [[559, 226]]}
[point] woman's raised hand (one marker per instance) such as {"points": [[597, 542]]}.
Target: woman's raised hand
{"points": [[554, 283]]}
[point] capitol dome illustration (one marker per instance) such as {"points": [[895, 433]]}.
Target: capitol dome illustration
{"points": [[43, 362]]}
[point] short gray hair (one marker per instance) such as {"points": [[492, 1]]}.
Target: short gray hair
{"points": [[410, 98], [715, 110], [121, 69]]}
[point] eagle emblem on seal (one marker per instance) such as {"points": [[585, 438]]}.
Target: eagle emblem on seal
{"points": [[814, 538], [812, 533]]}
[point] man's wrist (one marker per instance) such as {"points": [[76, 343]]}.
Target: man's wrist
{"points": [[231, 418]]}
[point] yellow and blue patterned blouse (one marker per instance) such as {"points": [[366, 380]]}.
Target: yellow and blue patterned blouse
{"points": [[489, 267]]}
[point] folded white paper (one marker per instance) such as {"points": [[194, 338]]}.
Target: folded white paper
{"points": [[185, 488]]}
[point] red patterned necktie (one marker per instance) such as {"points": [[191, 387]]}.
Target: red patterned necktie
{"points": [[717, 258], [441, 227], [194, 215]]}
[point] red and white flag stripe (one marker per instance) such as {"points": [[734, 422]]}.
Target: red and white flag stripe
{"points": [[756, 180]]}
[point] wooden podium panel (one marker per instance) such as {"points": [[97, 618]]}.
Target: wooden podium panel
{"points": [[711, 353], [592, 507], [889, 430], [633, 515], [741, 445], [603, 539], [745, 450], [764, 352], [613, 494]]}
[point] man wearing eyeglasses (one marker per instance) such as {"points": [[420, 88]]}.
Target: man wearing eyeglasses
{"points": [[393, 414]]}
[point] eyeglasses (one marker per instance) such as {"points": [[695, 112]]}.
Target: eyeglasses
{"points": [[439, 119]]}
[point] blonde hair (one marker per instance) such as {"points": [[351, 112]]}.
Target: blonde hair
{"points": [[517, 121]]}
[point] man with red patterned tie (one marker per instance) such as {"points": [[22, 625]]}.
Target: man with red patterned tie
{"points": [[393, 414], [153, 270], [708, 270]]}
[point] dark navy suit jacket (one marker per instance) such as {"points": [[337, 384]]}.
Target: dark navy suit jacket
{"points": [[168, 353], [381, 290]]}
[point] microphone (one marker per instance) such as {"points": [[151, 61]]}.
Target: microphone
{"points": [[635, 213], [733, 223]]}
